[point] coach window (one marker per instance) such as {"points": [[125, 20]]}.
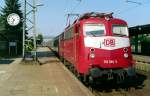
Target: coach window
{"points": [[120, 30], [94, 30], [69, 34], [61, 37]]}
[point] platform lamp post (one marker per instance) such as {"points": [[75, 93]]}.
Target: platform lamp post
{"points": [[34, 27]]}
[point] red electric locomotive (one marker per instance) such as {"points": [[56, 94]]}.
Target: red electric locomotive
{"points": [[98, 46]]}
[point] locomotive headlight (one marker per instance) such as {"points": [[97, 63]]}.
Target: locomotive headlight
{"points": [[92, 55], [126, 55], [125, 49], [92, 49]]}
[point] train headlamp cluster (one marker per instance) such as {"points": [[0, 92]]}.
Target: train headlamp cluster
{"points": [[92, 49], [126, 55], [92, 55], [125, 49]]}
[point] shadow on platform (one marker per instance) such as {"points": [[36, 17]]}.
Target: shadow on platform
{"points": [[29, 58], [45, 54], [40, 54], [50, 61], [6, 61]]}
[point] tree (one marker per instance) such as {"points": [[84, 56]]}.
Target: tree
{"points": [[39, 38], [1, 24], [13, 33]]}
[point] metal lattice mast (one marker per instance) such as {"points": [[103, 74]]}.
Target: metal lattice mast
{"points": [[28, 28], [24, 29], [34, 27]]}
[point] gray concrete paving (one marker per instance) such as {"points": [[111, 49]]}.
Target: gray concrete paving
{"points": [[30, 79]]}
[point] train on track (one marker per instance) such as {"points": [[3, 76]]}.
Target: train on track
{"points": [[97, 46]]}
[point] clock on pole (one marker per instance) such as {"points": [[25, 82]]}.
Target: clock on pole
{"points": [[13, 19]]}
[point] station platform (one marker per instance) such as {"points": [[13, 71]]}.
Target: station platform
{"points": [[51, 78], [141, 58]]}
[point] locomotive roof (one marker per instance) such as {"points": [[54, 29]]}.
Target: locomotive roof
{"points": [[95, 14], [89, 15]]}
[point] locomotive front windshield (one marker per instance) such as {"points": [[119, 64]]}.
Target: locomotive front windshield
{"points": [[94, 30], [121, 30]]}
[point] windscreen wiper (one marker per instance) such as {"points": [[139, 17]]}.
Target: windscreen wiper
{"points": [[92, 34]]}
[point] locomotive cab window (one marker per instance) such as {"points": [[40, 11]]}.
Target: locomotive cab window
{"points": [[121, 30], [94, 30]]}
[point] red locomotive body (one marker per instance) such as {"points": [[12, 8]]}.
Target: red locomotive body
{"points": [[97, 44]]}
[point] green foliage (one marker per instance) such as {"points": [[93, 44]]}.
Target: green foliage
{"points": [[140, 38], [145, 46], [13, 33], [29, 46], [39, 38], [1, 24], [12, 6], [146, 39]]}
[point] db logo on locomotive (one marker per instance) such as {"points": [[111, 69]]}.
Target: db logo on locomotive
{"points": [[109, 42]]}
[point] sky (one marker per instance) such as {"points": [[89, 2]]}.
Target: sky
{"points": [[51, 18]]}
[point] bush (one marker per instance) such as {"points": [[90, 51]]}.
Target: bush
{"points": [[145, 46], [29, 47]]}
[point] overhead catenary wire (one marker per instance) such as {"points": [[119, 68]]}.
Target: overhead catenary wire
{"points": [[138, 4], [74, 8], [135, 3], [71, 13]]}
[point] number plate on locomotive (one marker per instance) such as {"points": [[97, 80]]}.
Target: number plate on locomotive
{"points": [[110, 61]]}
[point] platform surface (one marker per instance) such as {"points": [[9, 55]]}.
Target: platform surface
{"points": [[141, 58], [31, 79]]}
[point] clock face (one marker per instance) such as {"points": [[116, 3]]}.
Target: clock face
{"points": [[13, 19]]}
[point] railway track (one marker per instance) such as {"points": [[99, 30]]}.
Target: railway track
{"points": [[119, 92]]}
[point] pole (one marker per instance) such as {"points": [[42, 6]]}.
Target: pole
{"points": [[136, 43], [24, 29], [34, 28]]}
